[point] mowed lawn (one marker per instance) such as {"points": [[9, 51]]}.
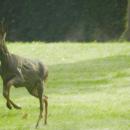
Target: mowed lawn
{"points": [[88, 87]]}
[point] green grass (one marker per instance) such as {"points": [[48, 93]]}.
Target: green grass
{"points": [[88, 88]]}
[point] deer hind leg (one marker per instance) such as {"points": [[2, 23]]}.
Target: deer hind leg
{"points": [[40, 95], [45, 100], [38, 92]]}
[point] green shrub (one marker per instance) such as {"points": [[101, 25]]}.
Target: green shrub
{"points": [[64, 19]]}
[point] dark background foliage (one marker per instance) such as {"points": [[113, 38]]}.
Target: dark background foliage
{"points": [[58, 20]]}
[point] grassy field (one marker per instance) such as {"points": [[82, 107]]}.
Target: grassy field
{"points": [[88, 88]]}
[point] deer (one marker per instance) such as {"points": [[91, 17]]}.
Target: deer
{"points": [[18, 71]]}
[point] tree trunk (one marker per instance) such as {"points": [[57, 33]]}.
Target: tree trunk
{"points": [[126, 34]]}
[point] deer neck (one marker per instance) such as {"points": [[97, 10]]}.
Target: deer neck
{"points": [[4, 53]]}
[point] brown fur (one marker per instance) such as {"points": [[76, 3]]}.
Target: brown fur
{"points": [[21, 72]]}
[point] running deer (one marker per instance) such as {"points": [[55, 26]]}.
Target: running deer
{"points": [[21, 72]]}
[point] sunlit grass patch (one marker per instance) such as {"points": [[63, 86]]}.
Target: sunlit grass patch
{"points": [[88, 87]]}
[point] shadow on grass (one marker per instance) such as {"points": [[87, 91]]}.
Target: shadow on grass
{"points": [[89, 74]]}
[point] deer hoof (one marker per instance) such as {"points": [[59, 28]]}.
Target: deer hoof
{"points": [[8, 106], [45, 123]]}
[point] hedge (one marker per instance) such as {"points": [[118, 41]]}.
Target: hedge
{"points": [[59, 20]]}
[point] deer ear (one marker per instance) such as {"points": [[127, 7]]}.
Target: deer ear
{"points": [[3, 26], [3, 29], [0, 27], [4, 35]]}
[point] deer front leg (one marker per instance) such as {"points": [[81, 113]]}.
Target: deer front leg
{"points": [[6, 90], [6, 94]]}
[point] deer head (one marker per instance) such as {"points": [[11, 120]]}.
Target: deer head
{"points": [[3, 48]]}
